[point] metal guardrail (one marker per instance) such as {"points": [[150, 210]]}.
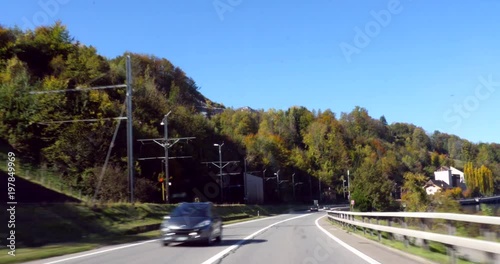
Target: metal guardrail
{"points": [[480, 219], [479, 200], [491, 248]]}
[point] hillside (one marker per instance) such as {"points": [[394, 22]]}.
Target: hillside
{"points": [[314, 145]]}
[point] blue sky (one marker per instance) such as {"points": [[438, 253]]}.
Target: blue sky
{"points": [[435, 64]]}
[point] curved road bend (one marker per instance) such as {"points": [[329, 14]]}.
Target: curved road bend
{"points": [[302, 238]]}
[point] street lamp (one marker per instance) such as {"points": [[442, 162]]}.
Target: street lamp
{"points": [[164, 122], [319, 189], [294, 184], [348, 186], [343, 185], [349, 191], [278, 182], [245, 188], [220, 171]]}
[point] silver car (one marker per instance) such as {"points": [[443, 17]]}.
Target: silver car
{"points": [[192, 222]]}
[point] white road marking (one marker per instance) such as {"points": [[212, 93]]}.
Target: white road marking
{"points": [[251, 221], [138, 244], [229, 249], [342, 243], [101, 251]]}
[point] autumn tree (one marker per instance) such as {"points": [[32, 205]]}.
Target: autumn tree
{"points": [[479, 179]]}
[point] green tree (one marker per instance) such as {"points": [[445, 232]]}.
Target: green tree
{"points": [[370, 190], [414, 196]]}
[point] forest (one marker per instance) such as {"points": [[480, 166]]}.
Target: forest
{"points": [[316, 146]]}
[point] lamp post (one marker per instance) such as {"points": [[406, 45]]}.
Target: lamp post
{"points": [[245, 189], [164, 122], [319, 189], [310, 188], [264, 184], [278, 183], [348, 186], [343, 185], [220, 171], [349, 191]]}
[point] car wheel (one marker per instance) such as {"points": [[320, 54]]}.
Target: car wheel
{"points": [[165, 244], [208, 241]]}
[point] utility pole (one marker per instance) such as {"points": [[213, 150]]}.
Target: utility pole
{"points": [[165, 143], [130, 145], [165, 147], [128, 107], [221, 165], [220, 172], [293, 186]]}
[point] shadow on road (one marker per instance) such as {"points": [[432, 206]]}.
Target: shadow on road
{"points": [[223, 243]]}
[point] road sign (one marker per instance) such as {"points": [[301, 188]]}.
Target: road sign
{"points": [[352, 202]]}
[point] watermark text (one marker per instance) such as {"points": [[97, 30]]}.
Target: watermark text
{"points": [[11, 203]]}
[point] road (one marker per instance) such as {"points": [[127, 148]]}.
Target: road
{"points": [[302, 238]]}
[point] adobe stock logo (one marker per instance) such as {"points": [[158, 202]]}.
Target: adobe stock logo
{"points": [[371, 30], [50, 9], [462, 111], [223, 6]]}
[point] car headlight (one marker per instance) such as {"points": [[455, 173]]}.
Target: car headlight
{"points": [[203, 224]]}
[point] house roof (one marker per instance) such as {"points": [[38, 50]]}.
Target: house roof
{"points": [[443, 168], [437, 183], [446, 168]]}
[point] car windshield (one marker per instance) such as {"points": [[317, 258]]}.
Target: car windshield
{"points": [[191, 210]]}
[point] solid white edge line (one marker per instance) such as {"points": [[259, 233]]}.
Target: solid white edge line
{"points": [[238, 244], [342, 243], [100, 252], [142, 243]]}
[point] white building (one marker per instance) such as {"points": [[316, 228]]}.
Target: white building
{"points": [[451, 176], [254, 189], [434, 186]]}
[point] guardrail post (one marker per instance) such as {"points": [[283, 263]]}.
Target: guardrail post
{"points": [[371, 230], [491, 236], [450, 249], [405, 238], [351, 218], [341, 216], [389, 223], [423, 227], [378, 231], [364, 229]]}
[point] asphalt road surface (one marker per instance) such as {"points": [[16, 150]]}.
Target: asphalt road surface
{"points": [[302, 238]]}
